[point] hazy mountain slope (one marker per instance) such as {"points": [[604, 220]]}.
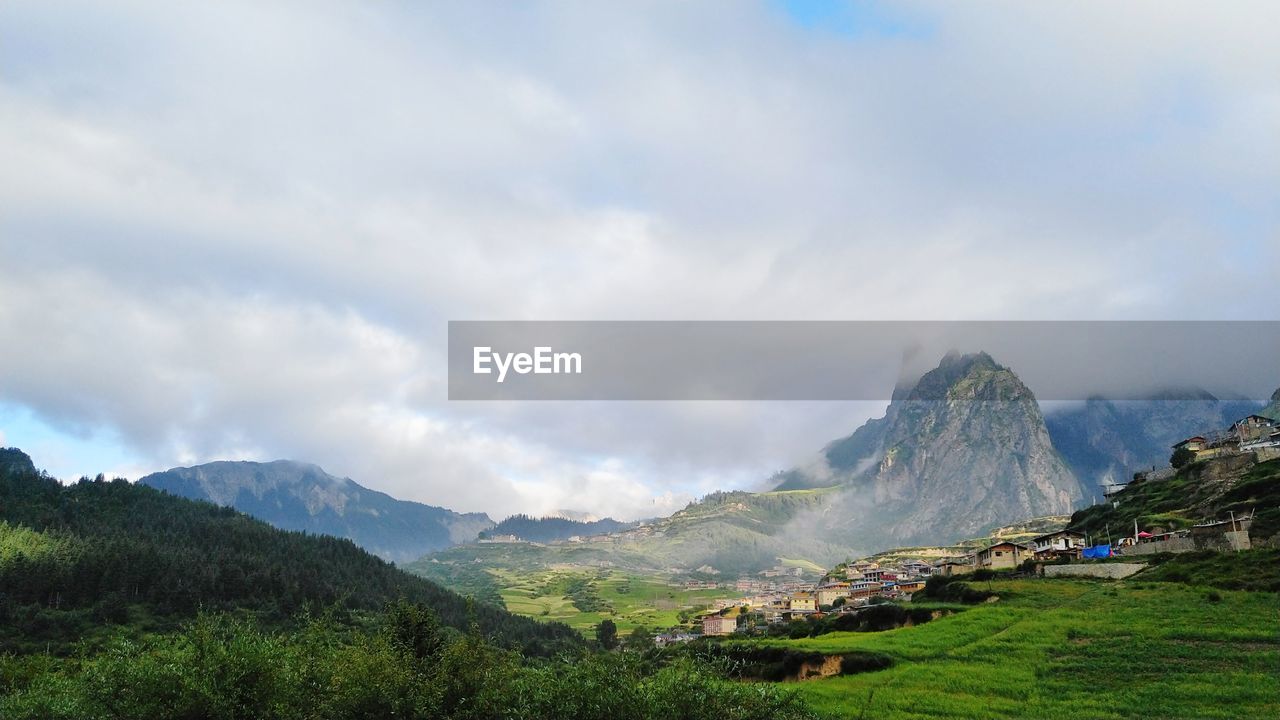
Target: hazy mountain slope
{"points": [[1272, 410], [1106, 441], [723, 534], [299, 496], [842, 460], [125, 552]]}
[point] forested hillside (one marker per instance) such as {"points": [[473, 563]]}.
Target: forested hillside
{"points": [[110, 552], [548, 529], [119, 601]]}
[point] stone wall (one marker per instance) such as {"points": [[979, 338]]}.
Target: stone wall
{"points": [[1172, 545], [1114, 571], [1222, 542]]}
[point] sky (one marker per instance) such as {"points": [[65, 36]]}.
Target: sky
{"points": [[238, 230]]}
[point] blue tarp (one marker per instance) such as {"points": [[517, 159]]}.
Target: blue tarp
{"points": [[1098, 551]]}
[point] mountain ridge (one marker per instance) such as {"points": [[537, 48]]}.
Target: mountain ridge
{"points": [[293, 495]]}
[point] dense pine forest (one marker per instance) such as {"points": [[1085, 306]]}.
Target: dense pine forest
{"points": [[101, 552], [548, 529], [119, 601]]}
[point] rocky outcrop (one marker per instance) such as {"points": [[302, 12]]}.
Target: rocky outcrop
{"points": [[15, 462], [966, 449]]}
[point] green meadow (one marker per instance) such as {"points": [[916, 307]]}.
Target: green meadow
{"points": [[1070, 649], [582, 598]]}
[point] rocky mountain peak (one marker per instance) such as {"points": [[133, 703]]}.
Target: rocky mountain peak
{"points": [[975, 376]]}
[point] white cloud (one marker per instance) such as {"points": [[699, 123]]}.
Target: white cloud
{"points": [[238, 230]]}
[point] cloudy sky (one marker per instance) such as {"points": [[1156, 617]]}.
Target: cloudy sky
{"points": [[238, 230]]}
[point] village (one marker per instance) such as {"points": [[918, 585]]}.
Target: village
{"points": [[777, 596]]}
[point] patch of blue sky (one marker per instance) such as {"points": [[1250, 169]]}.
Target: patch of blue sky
{"points": [[66, 454], [856, 18]]}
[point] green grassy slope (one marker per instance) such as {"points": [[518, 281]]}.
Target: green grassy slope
{"points": [[1070, 649], [1200, 491]]}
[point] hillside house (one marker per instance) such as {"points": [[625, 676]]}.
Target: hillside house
{"points": [[1252, 429], [916, 568], [1063, 543], [953, 566], [803, 602], [879, 574], [719, 625], [914, 585], [1002, 555], [1194, 444], [1270, 440], [864, 589], [827, 594]]}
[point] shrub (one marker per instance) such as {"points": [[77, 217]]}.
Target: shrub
{"points": [[860, 662]]}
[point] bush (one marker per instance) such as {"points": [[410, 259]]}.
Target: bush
{"points": [[1181, 458], [951, 590], [860, 662]]}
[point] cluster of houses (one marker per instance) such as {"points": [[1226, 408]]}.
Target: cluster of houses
{"points": [[1248, 434], [1007, 554], [843, 590]]}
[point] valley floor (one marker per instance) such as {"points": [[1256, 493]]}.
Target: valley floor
{"points": [[1070, 649], [582, 598]]}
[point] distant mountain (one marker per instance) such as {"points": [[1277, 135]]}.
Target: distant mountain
{"points": [[299, 496], [99, 552], [548, 529], [722, 535], [1272, 410], [1106, 441]]}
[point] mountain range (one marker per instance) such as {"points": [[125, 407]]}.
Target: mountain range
{"points": [[300, 496], [961, 450], [1105, 441]]}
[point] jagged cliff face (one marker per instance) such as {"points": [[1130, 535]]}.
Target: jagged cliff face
{"points": [[300, 496], [966, 449]]}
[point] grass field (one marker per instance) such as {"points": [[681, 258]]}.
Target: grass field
{"points": [[1070, 649], [629, 600]]}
